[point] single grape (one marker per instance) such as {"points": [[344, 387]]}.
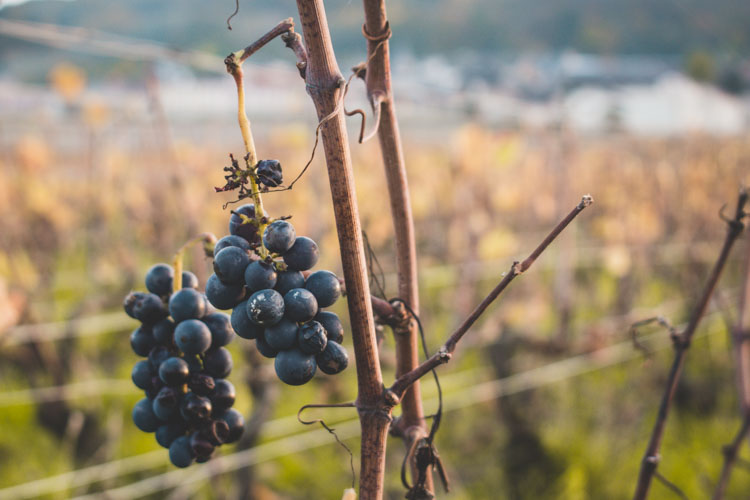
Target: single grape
{"points": [[159, 279], [166, 403], [265, 307], [249, 231], [333, 359], [187, 303], [167, 433], [180, 453], [303, 255], [286, 280], [231, 241], [294, 367], [332, 325], [195, 409], [200, 446], [279, 236], [311, 338], [141, 374], [223, 396], [192, 336], [282, 335], [269, 173], [201, 384], [236, 424], [189, 280], [300, 305], [220, 327], [223, 296], [216, 431], [230, 264], [145, 307], [174, 371], [142, 341], [242, 324], [265, 349], [218, 362], [163, 332], [144, 417], [325, 286], [260, 275]]}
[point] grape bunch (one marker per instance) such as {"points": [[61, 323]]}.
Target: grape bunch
{"points": [[188, 401], [276, 300]]}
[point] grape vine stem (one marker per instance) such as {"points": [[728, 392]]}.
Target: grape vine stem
{"points": [[651, 458], [443, 354], [233, 63]]}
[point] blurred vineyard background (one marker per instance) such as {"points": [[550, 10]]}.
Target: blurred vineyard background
{"points": [[106, 169]]}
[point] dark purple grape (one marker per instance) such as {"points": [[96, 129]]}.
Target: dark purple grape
{"points": [[300, 305], [159, 279], [142, 374], [145, 307], [174, 371], [187, 303], [163, 332], [260, 275], [265, 349], [303, 255], [294, 367], [192, 336], [230, 264], [180, 453], [144, 417], [223, 396], [201, 384], [333, 359], [166, 403], [189, 280], [286, 280], [311, 338], [269, 173], [223, 296], [218, 362], [155, 387], [220, 327], [215, 431], [200, 446], [332, 325], [241, 323], [248, 231], [265, 307], [236, 424], [142, 341], [231, 241], [167, 433], [279, 236], [282, 335], [195, 409], [325, 286]]}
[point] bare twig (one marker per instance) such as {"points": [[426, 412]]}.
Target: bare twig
{"points": [[730, 458], [682, 342], [278, 30], [443, 354]]}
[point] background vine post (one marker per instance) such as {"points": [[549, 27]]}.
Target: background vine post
{"points": [[376, 29]]}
